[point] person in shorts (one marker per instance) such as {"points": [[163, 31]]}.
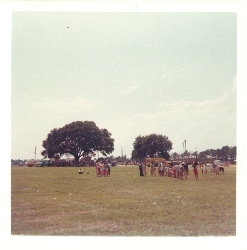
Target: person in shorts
{"points": [[181, 171], [195, 170]]}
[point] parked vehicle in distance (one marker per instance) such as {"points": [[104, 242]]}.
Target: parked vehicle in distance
{"points": [[218, 162], [30, 163], [42, 163]]}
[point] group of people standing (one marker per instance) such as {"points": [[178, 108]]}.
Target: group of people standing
{"points": [[103, 169], [180, 170]]}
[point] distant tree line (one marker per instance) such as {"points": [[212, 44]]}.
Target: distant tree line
{"points": [[84, 139], [226, 153]]}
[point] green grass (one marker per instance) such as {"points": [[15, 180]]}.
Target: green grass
{"points": [[59, 201]]}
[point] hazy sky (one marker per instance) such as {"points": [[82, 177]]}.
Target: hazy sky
{"points": [[131, 73]]}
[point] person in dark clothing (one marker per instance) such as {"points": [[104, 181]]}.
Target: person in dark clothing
{"points": [[186, 170], [108, 168], [140, 168]]}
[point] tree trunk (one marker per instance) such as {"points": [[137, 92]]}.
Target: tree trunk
{"points": [[76, 158]]}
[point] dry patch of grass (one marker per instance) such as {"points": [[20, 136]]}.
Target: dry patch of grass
{"points": [[58, 201]]}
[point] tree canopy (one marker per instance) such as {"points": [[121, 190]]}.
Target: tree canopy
{"points": [[226, 153], [152, 145], [79, 139]]}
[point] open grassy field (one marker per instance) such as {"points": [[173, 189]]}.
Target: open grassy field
{"points": [[59, 201]]}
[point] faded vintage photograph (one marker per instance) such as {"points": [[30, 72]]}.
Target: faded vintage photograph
{"points": [[123, 124], [126, 125]]}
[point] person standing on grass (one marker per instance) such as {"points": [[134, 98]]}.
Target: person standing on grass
{"points": [[171, 171], [201, 167], [162, 165], [144, 172], [140, 168], [186, 171], [101, 168], [152, 169], [108, 168], [177, 170], [98, 169], [168, 171], [195, 170], [181, 171], [105, 170]]}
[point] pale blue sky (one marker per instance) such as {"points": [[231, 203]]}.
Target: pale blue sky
{"points": [[131, 73]]}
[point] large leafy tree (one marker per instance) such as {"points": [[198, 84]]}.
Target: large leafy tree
{"points": [[79, 139], [152, 145]]}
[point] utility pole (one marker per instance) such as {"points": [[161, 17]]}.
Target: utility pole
{"points": [[122, 153], [35, 152]]}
